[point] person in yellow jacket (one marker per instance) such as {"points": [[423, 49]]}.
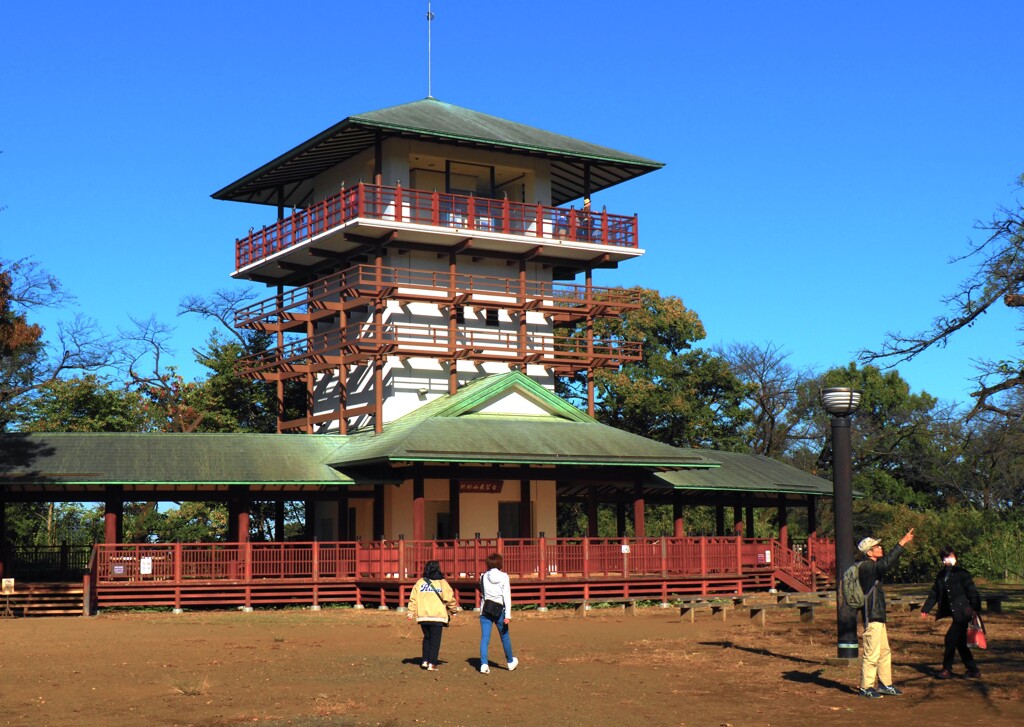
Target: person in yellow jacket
{"points": [[432, 603]]}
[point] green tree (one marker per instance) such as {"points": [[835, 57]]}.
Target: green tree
{"points": [[86, 404], [895, 451], [675, 394]]}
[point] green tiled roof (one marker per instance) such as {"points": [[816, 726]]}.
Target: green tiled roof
{"points": [[747, 473], [119, 458], [443, 123], [449, 429]]}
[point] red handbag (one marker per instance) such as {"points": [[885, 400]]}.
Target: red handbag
{"points": [[976, 633]]}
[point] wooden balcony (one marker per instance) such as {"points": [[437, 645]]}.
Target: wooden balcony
{"points": [[361, 284], [400, 208], [361, 342]]}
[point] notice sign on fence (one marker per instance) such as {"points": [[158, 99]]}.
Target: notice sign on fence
{"points": [[145, 566], [7, 587]]}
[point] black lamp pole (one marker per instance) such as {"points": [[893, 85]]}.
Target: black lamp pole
{"points": [[840, 403]]}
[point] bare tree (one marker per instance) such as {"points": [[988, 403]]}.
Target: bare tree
{"points": [[998, 277], [772, 398]]}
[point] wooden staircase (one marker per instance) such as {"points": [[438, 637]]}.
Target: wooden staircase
{"points": [[43, 599]]}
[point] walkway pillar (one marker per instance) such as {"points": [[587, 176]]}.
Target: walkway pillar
{"points": [[309, 524], [639, 527], [113, 515], [279, 521], [783, 521], [454, 491], [419, 509], [678, 524], [525, 511], [344, 531], [378, 512], [812, 516], [243, 521], [719, 519], [3, 535], [239, 505], [737, 520], [620, 519], [591, 512], [750, 521]]}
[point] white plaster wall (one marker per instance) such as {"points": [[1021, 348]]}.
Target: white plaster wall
{"points": [[405, 378]]}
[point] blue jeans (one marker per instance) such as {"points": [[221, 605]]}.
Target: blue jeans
{"points": [[485, 637]]}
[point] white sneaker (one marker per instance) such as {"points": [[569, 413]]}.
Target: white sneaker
{"points": [[484, 669], [513, 664], [424, 665]]}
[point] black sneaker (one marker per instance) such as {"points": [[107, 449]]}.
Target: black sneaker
{"points": [[889, 690], [870, 693]]}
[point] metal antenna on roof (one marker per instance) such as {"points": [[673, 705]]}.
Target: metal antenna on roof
{"points": [[430, 18]]}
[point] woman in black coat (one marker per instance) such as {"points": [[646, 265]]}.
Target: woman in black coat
{"points": [[957, 597]]}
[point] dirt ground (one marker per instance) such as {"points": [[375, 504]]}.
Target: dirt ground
{"points": [[345, 667]]}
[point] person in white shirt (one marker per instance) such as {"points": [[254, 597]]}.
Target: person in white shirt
{"points": [[495, 610]]}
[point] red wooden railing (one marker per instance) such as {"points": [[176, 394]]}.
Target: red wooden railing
{"points": [[361, 341], [434, 209], [427, 285], [539, 559]]}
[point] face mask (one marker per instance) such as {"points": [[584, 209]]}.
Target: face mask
{"points": [[949, 560]]}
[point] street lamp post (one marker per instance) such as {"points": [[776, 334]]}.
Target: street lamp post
{"points": [[840, 403]]}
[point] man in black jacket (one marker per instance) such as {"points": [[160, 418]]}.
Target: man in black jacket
{"points": [[876, 663]]}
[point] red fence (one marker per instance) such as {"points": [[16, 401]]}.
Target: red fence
{"points": [[539, 559], [452, 211]]}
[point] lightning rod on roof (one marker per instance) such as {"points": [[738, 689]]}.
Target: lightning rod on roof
{"points": [[430, 19]]}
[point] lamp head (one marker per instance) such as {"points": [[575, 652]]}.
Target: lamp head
{"points": [[840, 401]]}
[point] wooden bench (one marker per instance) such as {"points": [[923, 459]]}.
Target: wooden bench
{"points": [[906, 603], [994, 602], [758, 611], [810, 597], [688, 607], [583, 604], [806, 609]]}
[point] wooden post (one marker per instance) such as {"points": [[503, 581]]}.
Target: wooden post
{"points": [[453, 506], [543, 556], [378, 513], [591, 512], [279, 521], [783, 521], [525, 516], [419, 509], [678, 524], [3, 533], [639, 530]]}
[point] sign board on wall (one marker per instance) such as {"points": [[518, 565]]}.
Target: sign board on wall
{"points": [[488, 486]]}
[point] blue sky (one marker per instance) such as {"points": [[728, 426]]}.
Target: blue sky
{"points": [[824, 161]]}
